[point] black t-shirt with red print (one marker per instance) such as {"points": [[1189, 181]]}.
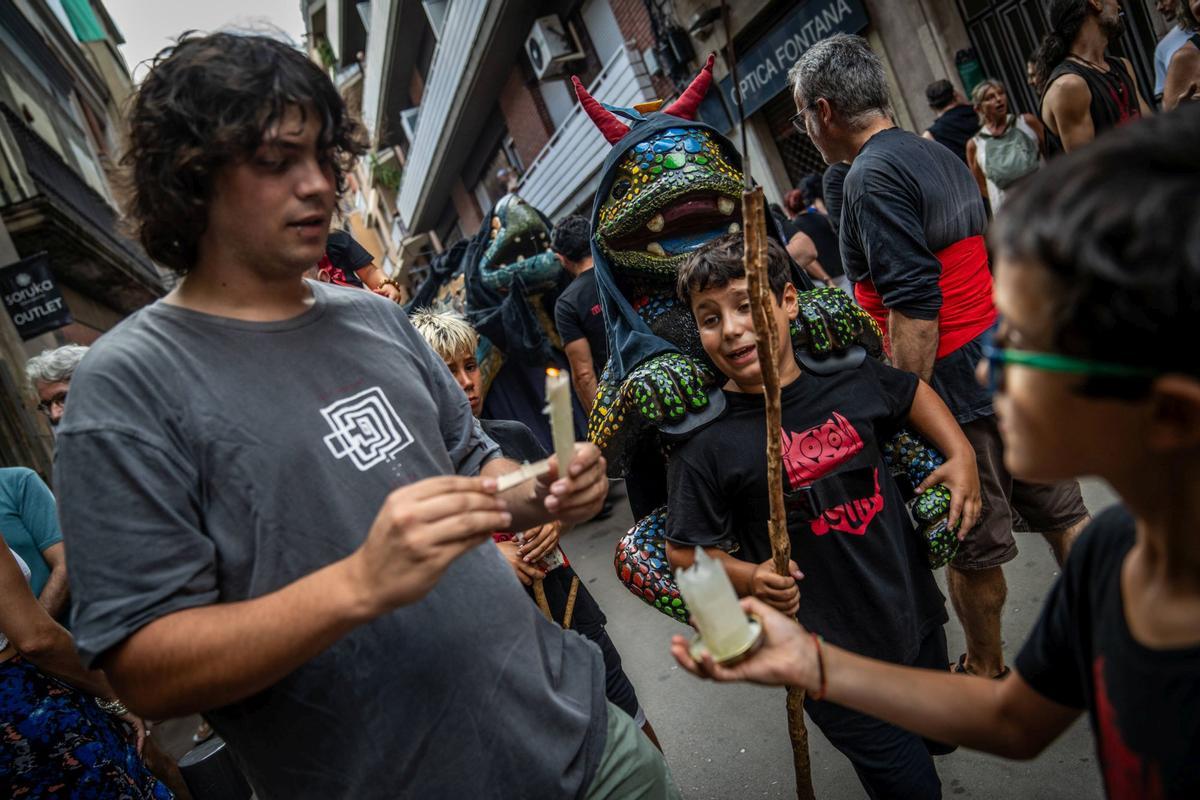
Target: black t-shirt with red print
{"points": [[866, 586], [1144, 704]]}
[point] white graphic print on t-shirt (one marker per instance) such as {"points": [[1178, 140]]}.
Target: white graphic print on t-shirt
{"points": [[366, 428]]}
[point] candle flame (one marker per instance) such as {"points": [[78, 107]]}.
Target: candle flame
{"points": [[552, 372]]}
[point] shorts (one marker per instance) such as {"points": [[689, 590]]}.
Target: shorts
{"points": [[1044, 507], [631, 768]]}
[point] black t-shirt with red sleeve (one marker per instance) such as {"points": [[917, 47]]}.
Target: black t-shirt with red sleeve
{"points": [[866, 586], [1144, 704], [908, 203]]}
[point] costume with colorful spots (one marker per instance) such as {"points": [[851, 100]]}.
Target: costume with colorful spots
{"points": [[670, 185]]}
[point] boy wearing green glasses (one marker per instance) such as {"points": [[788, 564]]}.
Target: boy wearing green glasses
{"points": [[1098, 276]]}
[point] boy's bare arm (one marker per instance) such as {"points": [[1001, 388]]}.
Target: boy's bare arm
{"points": [[933, 420], [1007, 718]]}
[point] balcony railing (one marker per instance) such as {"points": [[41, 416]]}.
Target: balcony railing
{"points": [[570, 161], [52, 178], [460, 34]]}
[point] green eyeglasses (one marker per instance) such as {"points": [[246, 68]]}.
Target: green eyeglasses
{"points": [[998, 357]]}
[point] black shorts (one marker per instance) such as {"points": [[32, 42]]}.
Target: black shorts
{"points": [[1044, 507]]}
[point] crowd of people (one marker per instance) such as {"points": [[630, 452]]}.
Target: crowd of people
{"points": [[418, 631]]}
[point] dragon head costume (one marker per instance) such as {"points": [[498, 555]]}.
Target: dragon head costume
{"points": [[505, 280], [671, 184]]}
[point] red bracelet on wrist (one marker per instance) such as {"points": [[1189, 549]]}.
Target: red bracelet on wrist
{"points": [[820, 693]]}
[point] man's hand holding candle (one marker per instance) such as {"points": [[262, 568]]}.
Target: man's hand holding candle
{"points": [[571, 498], [578, 495]]}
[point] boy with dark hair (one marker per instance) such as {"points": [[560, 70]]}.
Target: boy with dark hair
{"points": [[532, 555], [293, 536], [867, 585], [1095, 373]]}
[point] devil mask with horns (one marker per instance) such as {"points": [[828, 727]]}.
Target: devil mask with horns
{"points": [[670, 185]]}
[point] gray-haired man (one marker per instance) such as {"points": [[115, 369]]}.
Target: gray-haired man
{"points": [[49, 375], [912, 242]]}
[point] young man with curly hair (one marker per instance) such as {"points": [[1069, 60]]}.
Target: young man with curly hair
{"points": [[289, 535]]}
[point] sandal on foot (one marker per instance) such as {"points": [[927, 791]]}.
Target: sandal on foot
{"points": [[960, 668]]}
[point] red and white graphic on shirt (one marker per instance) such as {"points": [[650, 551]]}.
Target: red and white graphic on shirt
{"points": [[1126, 774], [817, 452]]}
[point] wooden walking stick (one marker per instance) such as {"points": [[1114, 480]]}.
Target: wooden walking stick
{"points": [[754, 225], [539, 595], [766, 337], [570, 611]]}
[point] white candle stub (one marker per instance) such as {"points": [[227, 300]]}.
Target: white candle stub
{"points": [[519, 476], [714, 607], [562, 423]]}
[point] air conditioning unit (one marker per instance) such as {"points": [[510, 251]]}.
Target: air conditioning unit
{"points": [[549, 45]]}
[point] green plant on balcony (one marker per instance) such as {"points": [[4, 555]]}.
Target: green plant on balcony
{"points": [[325, 52], [386, 175]]}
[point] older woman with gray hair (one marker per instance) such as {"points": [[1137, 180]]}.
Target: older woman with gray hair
{"points": [[1008, 146], [49, 375]]}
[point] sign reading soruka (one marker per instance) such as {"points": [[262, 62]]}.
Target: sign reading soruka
{"points": [[32, 298], [762, 70]]}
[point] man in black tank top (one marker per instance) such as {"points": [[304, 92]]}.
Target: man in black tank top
{"points": [[1085, 91]]}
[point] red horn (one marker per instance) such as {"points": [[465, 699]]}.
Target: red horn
{"points": [[688, 102], [612, 128]]}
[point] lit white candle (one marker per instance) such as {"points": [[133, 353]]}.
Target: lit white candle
{"points": [[714, 607], [562, 423]]}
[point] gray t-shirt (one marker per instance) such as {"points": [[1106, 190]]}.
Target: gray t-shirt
{"points": [[208, 460]]}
